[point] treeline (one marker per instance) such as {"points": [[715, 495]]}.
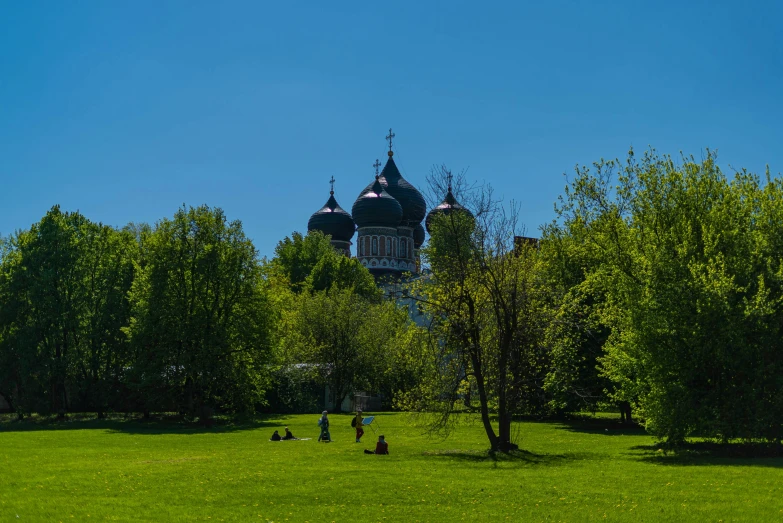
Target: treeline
{"points": [[185, 317], [94, 318]]}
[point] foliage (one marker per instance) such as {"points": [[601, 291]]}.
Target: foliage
{"points": [[577, 334], [64, 287], [690, 264], [200, 330], [311, 263], [344, 339]]}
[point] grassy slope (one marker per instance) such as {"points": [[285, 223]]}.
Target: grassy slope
{"points": [[577, 472]]}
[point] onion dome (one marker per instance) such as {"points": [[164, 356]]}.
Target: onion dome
{"points": [[413, 205], [448, 205], [418, 236], [376, 207], [333, 221]]}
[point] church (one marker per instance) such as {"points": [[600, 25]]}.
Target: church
{"points": [[387, 219]]}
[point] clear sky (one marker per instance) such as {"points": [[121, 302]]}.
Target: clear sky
{"points": [[126, 110]]}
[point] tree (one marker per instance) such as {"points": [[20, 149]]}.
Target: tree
{"points": [[64, 285], [489, 313], [343, 338], [690, 263], [577, 335], [201, 320], [310, 262]]}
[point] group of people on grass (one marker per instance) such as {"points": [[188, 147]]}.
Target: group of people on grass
{"points": [[382, 447], [288, 435]]}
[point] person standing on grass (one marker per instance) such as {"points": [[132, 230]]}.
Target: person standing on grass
{"points": [[323, 422], [380, 448], [358, 420]]}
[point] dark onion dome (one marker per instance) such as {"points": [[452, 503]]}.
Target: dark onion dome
{"points": [[418, 235], [413, 205], [448, 205], [332, 220], [376, 207]]}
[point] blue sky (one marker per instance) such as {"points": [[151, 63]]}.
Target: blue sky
{"points": [[126, 110]]}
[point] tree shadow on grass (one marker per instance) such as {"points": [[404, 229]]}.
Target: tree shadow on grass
{"points": [[158, 425], [704, 453], [519, 458], [602, 426]]}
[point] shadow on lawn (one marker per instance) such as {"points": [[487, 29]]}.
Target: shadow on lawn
{"points": [[707, 453], [602, 426], [137, 425], [519, 458]]}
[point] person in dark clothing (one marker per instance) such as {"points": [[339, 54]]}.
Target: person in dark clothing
{"points": [[275, 437], [382, 447], [323, 422], [288, 434]]}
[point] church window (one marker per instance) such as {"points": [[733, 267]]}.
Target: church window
{"points": [[375, 245], [383, 246], [403, 248], [388, 246]]}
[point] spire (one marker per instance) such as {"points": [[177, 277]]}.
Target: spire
{"points": [[331, 183], [449, 177], [390, 137]]}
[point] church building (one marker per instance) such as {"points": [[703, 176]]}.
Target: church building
{"points": [[387, 218]]}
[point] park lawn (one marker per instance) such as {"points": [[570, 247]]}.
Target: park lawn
{"points": [[577, 471]]}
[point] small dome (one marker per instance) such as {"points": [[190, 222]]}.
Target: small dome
{"points": [[412, 202], [448, 205], [376, 207], [332, 220], [418, 235]]}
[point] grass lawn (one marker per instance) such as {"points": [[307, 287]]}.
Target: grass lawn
{"points": [[580, 471]]}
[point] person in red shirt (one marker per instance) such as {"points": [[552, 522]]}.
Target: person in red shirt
{"points": [[358, 422], [382, 447]]}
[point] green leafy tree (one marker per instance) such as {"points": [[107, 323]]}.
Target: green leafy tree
{"points": [[691, 270], [201, 320], [310, 262], [64, 285], [344, 339]]}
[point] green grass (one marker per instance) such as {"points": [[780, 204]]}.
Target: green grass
{"points": [[579, 471]]}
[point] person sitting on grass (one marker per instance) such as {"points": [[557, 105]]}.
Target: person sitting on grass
{"points": [[275, 437], [323, 422], [288, 434], [380, 448]]}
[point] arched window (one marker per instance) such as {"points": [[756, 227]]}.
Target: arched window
{"points": [[403, 248], [375, 245], [360, 248], [388, 247]]}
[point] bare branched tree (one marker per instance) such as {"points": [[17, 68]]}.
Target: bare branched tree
{"points": [[487, 309]]}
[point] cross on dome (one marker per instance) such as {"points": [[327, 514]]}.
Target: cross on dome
{"points": [[377, 164], [390, 137], [331, 183]]}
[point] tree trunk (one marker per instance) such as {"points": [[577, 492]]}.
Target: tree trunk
{"points": [[483, 400]]}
